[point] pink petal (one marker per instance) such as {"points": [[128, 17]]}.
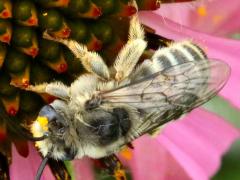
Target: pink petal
{"points": [[152, 161], [218, 48], [190, 148], [198, 141], [216, 17], [26, 168], [83, 169]]}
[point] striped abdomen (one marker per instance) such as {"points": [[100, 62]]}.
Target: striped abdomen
{"points": [[167, 57], [180, 53], [177, 53]]}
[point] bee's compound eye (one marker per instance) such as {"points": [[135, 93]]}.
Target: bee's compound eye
{"points": [[55, 120], [56, 125]]}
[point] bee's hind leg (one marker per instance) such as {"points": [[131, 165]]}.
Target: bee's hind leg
{"points": [[91, 61]]}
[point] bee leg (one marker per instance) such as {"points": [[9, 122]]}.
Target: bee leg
{"points": [[59, 169], [114, 166], [129, 55], [56, 89], [91, 61]]}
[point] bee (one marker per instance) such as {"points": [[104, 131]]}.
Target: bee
{"points": [[107, 108]]}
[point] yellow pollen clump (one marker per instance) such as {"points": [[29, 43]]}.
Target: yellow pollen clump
{"points": [[202, 11], [119, 173], [43, 121]]}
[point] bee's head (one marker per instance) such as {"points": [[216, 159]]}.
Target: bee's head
{"points": [[67, 140], [54, 122]]}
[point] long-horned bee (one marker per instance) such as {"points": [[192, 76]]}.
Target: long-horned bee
{"points": [[105, 109]]}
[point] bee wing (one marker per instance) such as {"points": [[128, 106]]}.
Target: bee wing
{"points": [[167, 94]]}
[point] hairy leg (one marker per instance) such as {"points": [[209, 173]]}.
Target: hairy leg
{"points": [[131, 52], [56, 89]]}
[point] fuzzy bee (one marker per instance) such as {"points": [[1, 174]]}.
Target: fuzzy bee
{"points": [[107, 108]]}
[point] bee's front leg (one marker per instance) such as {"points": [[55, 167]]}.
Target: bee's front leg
{"points": [[56, 89], [59, 169]]}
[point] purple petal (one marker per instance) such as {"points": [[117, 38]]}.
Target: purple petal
{"points": [[190, 148], [198, 141], [218, 48], [216, 17], [152, 161], [26, 168]]}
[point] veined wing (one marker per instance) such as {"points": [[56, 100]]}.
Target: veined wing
{"points": [[166, 95]]}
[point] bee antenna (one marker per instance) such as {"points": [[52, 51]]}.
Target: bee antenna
{"points": [[34, 139], [27, 135], [41, 167]]}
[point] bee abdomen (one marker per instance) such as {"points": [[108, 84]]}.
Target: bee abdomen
{"points": [[177, 53]]}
